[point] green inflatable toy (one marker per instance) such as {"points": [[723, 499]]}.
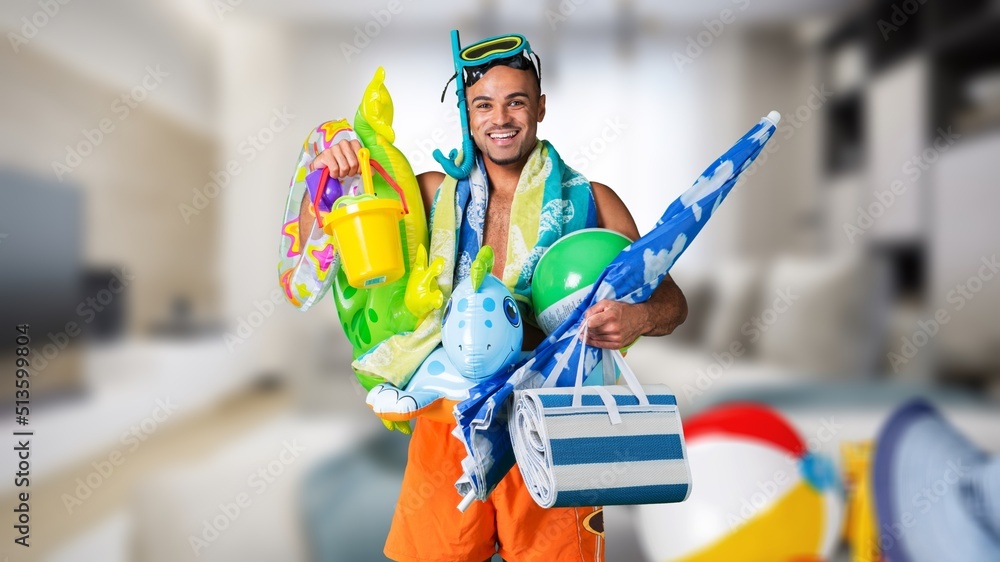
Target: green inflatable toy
{"points": [[370, 316], [568, 269], [309, 265]]}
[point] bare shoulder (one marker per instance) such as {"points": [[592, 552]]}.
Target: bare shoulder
{"points": [[429, 183], [430, 179], [612, 212]]}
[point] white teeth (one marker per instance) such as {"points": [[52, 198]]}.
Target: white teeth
{"points": [[502, 135]]}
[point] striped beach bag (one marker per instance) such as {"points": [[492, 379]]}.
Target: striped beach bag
{"points": [[601, 445]]}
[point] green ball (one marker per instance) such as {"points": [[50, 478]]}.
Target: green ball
{"points": [[568, 269]]}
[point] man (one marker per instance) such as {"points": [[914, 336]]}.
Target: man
{"points": [[505, 105]]}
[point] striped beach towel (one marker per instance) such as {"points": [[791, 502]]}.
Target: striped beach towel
{"points": [[601, 445]]}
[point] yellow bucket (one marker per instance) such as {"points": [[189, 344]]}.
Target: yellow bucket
{"points": [[365, 232]]}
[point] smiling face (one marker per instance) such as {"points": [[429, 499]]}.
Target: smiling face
{"points": [[505, 107]]}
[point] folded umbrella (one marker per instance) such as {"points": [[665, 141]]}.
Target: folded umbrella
{"points": [[631, 277]]}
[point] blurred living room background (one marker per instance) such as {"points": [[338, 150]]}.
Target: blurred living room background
{"points": [[146, 154]]}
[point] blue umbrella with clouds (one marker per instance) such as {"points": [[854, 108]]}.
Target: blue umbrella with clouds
{"points": [[631, 277]]}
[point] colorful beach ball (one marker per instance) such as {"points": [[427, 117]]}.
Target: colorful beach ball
{"points": [[566, 272], [757, 495]]}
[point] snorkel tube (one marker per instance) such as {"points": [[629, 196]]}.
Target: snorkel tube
{"points": [[450, 163]]}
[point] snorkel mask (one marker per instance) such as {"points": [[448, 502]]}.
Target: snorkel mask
{"points": [[471, 63]]}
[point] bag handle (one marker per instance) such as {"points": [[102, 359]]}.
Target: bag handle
{"points": [[627, 374], [610, 358], [610, 377]]}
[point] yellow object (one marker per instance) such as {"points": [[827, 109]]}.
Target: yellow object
{"points": [[400, 426], [779, 534], [377, 110], [422, 292], [365, 161], [862, 527], [376, 106], [365, 231]]}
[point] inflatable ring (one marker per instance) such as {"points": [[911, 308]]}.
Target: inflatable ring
{"points": [[308, 262]]}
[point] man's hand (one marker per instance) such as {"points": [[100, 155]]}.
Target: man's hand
{"points": [[341, 159], [614, 324]]}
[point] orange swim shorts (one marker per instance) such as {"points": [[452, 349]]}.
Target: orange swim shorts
{"points": [[428, 527]]}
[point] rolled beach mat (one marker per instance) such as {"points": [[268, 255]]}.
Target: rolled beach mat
{"points": [[600, 445]]}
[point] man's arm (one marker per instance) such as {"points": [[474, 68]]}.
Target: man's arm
{"points": [[429, 183], [613, 324]]}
